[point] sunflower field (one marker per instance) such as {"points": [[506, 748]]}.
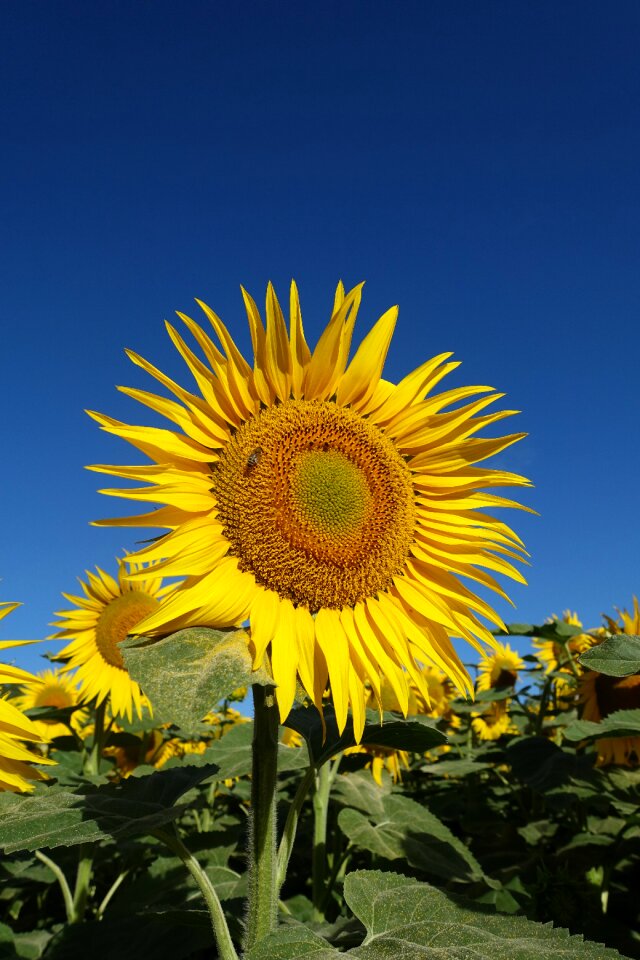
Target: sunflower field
{"points": [[288, 726]]}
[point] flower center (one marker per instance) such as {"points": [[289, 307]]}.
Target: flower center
{"points": [[505, 678], [53, 697], [617, 693], [117, 619], [316, 503]]}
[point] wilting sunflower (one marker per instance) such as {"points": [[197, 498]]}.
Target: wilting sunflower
{"points": [[103, 617], [16, 760], [50, 688], [601, 695], [499, 669], [332, 509]]}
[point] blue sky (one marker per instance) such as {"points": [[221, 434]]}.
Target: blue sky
{"points": [[475, 162]]}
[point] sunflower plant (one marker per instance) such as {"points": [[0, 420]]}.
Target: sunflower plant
{"points": [[320, 537]]}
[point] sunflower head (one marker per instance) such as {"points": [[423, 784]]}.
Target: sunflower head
{"points": [[52, 688], [17, 772], [601, 695], [333, 510], [553, 655], [493, 722], [108, 610], [499, 669]]}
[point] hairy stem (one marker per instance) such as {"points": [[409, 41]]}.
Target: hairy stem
{"points": [[224, 943], [263, 889]]}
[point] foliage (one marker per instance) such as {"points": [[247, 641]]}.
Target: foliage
{"points": [[474, 847]]}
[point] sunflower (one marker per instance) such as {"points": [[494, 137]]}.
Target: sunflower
{"points": [[51, 689], [601, 695], [16, 760], [333, 510], [103, 617], [499, 669], [493, 723], [552, 654]]}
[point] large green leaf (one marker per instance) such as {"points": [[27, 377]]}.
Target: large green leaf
{"points": [[622, 723], [543, 765], [405, 830], [617, 656], [414, 921], [416, 734], [232, 755], [186, 674], [58, 818]]}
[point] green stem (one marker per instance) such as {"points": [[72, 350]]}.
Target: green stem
{"points": [[62, 880], [263, 889], [221, 933], [319, 860], [92, 762], [109, 894], [291, 825], [83, 881]]}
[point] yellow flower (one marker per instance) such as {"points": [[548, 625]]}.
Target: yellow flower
{"points": [[601, 695], [104, 616], [383, 758], [499, 669], [332, 509], [493, 723], [552, 654], [51, 689], [15, 759]]}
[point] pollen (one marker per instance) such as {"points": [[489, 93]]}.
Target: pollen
{"points": [[324, 516], [117, 619]]}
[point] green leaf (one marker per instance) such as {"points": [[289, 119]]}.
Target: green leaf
{"points": [[454, 768], [167, 935], [405, 830], [617, 656], [186, 674], [557, 630], [360, 791], [543, 765], [408, 919], [416, 734], [622, 723], [135, 807], [232, 755]]}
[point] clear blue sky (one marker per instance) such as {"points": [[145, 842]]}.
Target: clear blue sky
{"points": [[476, 162]]}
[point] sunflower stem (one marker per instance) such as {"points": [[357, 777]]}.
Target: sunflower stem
{"points": [[291, 825], [224, 943], [83, 881], [263, 888], [319, 860], [62, 880], [92, 763]]}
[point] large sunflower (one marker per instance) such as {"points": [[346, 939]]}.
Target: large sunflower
{"points": [[332, 509], [103, 617], [16, 760], [601, 695]]}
